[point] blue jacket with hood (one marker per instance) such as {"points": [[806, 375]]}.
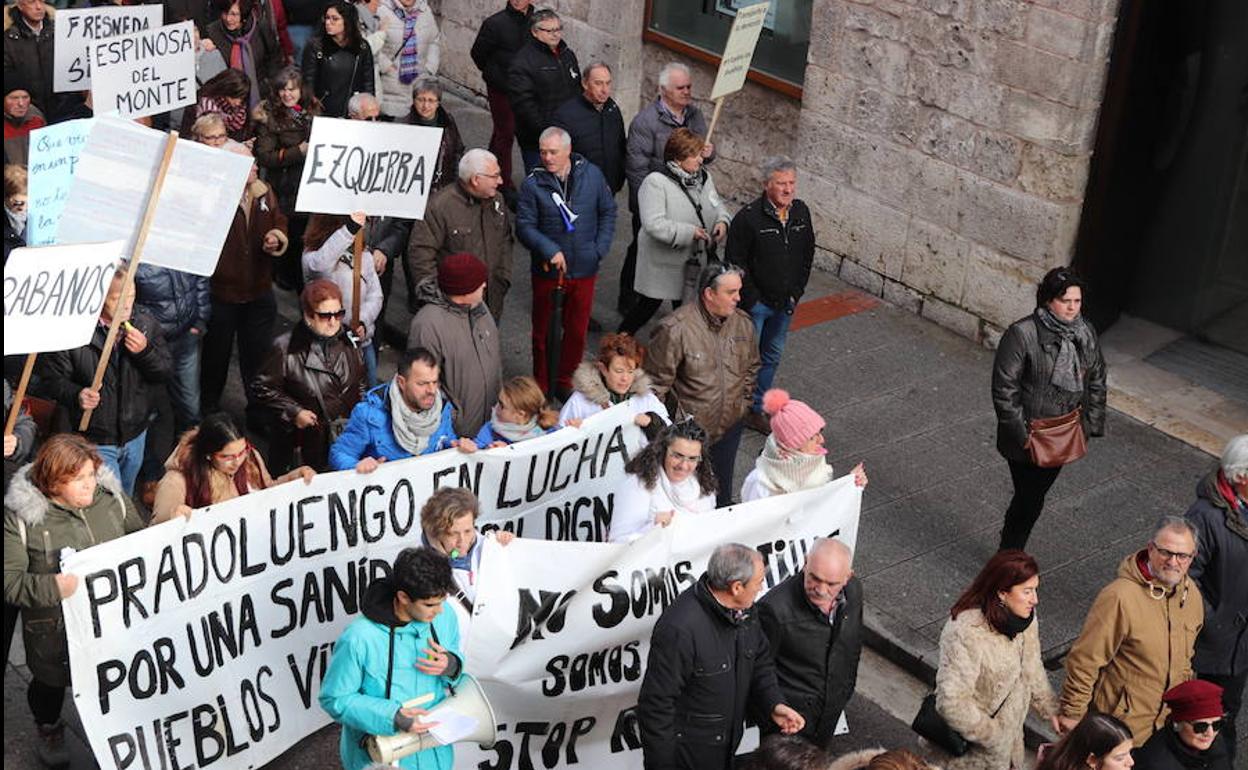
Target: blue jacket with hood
{"points": [[369, 432]]}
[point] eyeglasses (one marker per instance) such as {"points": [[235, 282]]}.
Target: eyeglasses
{"points": [[224, 458], [1200, 728], [330, 315], [683, 459], [495, 175], [1167, 554], [550, 30]]}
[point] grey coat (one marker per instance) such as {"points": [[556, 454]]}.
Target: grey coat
{"points": [[647, 138], [666, 240]]}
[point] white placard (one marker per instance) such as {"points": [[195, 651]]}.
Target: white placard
{"points": [[146, 73], [734, 63], [382, 169], [53, 295], [75, 28], [114, 174]]}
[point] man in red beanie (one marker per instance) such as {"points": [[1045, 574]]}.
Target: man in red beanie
{"points": [[457, 327], [1193, 733]]}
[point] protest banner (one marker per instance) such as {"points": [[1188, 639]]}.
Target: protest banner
{"points": [[203, 642], [382, 169], [145, 73], [74, 30], [54, 152], [113, 182], [734, 63]]}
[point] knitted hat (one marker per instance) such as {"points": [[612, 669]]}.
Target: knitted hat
{"points": [[14, 82], [792, 422], [460, 274], [1193, 700]]}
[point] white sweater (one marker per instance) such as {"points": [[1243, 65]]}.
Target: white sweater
{"points": [[325, 262]]}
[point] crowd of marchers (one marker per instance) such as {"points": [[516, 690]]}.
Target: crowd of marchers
{"points": [[1155, 679]]}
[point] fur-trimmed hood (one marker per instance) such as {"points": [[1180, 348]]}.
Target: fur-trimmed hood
{"points": [[587, 381], [24, 500]]}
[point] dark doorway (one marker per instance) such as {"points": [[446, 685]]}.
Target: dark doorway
{"points": [[1164, 234]]}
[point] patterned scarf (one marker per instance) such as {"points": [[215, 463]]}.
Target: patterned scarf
{"points": [[241, 58], [234, 116], [1075, 337], [784, 471], [408, 60]]}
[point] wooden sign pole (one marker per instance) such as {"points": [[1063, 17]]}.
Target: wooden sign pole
{"points": [[20, 394], [356, 276], [719, 105], [148, 215]]}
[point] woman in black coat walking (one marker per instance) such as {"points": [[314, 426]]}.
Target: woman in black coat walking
{"points": [[337, 61], [1048, 365]]}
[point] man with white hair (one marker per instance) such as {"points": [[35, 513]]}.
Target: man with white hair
{"points": [[813, 622], [1220, 515], [566, 218], [363, 106], [468, 216], [647, 139]]}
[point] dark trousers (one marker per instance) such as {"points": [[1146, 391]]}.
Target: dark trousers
{"points": [[641, 310], [504, 132], [1232, 699], [251, 323], [290, 265], [45, 702], [1031, 484], [578, 301], [628, 274], [724, 460]]}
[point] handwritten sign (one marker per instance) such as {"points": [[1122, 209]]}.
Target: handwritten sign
{"points": [[54, 154], [75, 29], [146, 73], [384, 169], [53, 295], [734, 65]]}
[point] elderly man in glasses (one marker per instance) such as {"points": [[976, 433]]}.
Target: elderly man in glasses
{"points": [[544, 75], [1139, 635]]}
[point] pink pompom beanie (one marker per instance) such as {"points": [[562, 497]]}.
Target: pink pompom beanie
{"points": [[793, 423]]}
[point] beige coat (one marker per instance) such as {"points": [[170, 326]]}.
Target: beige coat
{"points": [[1125, 658], [982, 670], [668, 221]]}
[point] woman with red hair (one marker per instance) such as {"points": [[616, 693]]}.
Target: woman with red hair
{"points": [[990, 672]]}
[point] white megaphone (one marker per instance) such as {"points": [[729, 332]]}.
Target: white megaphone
{"points": [[469, 700]]}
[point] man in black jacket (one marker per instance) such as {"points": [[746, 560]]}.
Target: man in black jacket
{"points": [[544, 75], [709, 660], [1220, 515], [773, 240], [123, 401], [594, 121], [28, 39], [500, 36], [813, 623]]}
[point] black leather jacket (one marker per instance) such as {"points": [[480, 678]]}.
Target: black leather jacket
{"points": [[1021, 389], [335, 74]]}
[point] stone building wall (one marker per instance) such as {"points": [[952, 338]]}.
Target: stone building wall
{"points": [[944, 147]]}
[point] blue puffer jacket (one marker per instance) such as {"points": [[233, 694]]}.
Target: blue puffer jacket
{"points": [[541, 227], [369, 432], [178, 301], [353, 692]]}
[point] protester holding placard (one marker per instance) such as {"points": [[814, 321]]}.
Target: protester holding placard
{"points": [[67, 498], [225, 95], [448, 525], [28, 34], [123, 402], [410, 53], [15, 208], [243, 305], [615, 377], [211, 464], [427, 110], [328, 252], [246, 43], [668, 478], [793, 457], [20, 118], [337, 61]]}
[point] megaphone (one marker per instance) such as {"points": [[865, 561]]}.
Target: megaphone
{"points": [[469, 700]]}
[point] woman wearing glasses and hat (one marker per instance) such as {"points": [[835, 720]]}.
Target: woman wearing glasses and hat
{"points": [[1192, 737]]}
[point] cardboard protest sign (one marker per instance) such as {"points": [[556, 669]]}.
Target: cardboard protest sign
{"points": [[734, 63], [75, 29], [383, 169], [145, 73], [53, 295], [54, 152], [195, 209]]}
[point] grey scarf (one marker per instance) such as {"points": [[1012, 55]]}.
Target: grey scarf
{"points": [[1075, 337], [412, 428], [513, 431]]}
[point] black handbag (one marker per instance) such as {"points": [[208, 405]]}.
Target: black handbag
{"points": [[929, 724]]}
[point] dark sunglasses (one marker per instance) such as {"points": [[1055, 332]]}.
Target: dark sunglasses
{"points": [[331, 315], [1200, 728]]}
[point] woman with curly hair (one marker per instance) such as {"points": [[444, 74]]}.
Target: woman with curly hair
{"points": [[668, 478]]}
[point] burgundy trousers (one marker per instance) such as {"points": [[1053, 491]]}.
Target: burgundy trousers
{"points": [[578, 301], [504, 131]]}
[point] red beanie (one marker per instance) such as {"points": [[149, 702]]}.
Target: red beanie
{"points": [[1193, 700], [460, 274]]}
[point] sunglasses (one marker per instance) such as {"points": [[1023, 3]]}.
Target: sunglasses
{"points": [[331, 315], [1200, 728]]}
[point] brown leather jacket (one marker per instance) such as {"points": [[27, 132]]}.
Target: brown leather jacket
{"points": [[300, 366], [245, 271], [704, 367]]}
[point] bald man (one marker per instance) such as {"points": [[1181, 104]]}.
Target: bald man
{"points": [[813, 622]]}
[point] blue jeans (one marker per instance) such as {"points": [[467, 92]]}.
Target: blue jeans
{"points": [[771, 329], [369, 351], [125, 460], [183, 382]]}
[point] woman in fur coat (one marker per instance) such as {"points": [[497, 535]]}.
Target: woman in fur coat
{"points": [[615, 377], [990, 671]]}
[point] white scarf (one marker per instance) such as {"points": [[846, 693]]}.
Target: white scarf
{"points": [[686, 496], [412, 428], [785, 471], [514, 431]]}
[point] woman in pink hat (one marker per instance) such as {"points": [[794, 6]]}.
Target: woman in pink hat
{"points": [[1192, 737], [793, 457]]}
